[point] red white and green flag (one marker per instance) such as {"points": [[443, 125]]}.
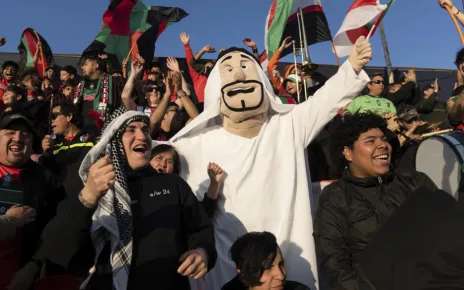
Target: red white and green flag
{"points": [[130, 23], [361, 17], [27, 48], [282, 22]]}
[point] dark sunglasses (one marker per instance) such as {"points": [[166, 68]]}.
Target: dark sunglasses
{"points": [[55, 115], [415, 119], [151, 89], [377, 82]]}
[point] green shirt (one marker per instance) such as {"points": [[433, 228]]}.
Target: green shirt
{"points": [[366, 103]]}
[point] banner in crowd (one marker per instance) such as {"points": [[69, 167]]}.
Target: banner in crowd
{"points": [[131, 26], [28, 47], [282, 22], [359, 20]]}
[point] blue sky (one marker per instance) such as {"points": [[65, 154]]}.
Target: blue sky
{"points": [[419, 32]]}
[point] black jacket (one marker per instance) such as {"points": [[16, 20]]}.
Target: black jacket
{"points": [[168, 221], [345, 220], [420, 247], [42, 191], [406, 94], [236, 284], [66, 158]]}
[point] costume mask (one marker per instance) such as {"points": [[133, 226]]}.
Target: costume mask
{"points": [[242, 92]]}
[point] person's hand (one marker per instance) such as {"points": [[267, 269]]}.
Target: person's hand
{"points": [[100, 179], [249, 42], [47, 144], [185, 38], [361, 54], [22, 215], [24, 278], [194, 264], [286, 43], [46, 84], [436, 88], [410, 76], [103, 56], [8, 109], [392, 123], [2, 41], [172, 64], [208, 49], [446, 2], [137, 65], [124, 62], [215, 173]]}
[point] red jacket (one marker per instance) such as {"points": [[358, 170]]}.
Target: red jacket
{"points": [[198, 80]]}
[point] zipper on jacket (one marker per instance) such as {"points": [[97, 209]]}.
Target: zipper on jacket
{"points": [[380, 179]]}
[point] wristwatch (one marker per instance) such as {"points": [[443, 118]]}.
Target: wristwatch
{"points": [[181, 94]]}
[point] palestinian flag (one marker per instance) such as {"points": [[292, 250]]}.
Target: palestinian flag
{"points": [[282, 22], [359, 20], [130, 23], [28, 47]]}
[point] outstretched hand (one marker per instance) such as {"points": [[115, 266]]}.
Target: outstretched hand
{"points": [[137, 65], [172, 64], [185, 38], [286, 43], [361, 54], [446, 2], [2, 41], [249, 42]]}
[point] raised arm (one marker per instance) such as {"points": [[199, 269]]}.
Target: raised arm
{"points": [[173, 65], [126, 96], [458, 14], [157, 116], [251, 44], [311, 116], [272, 66]]}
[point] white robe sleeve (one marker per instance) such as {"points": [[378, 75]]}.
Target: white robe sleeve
{"points": [[310, 117]]}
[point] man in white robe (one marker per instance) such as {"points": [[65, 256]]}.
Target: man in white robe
{"points": [[261, 145]]}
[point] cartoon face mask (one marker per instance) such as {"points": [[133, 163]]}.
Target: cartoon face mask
{"points": [[242, 92]]}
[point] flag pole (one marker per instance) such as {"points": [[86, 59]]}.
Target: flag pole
{"points": [[455, 23], [41, 52], [130, 51], [385, 49], [296, 71]]}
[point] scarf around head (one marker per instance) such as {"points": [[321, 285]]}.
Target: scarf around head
{"points": [[112, 220]]}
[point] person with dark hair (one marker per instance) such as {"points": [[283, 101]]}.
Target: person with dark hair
{"points": [[97, 95], [13, 96], [63, 153], [148, 228], [9, 75], [373, 101], [352, 209], [406, 90], [260, 264], [165, 159], [29, 189], [67, 72]]}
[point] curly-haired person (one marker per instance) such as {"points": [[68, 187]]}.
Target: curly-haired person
{"points": [[352, 209]]}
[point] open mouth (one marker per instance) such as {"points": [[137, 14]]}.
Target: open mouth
{"points": [[382, 159], [16, 148], [160, 170], [141, 148], [240, 90]]}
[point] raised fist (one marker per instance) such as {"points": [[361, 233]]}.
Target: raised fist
{"points": [[361, 54]]}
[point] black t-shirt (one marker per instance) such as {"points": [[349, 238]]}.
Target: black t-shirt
{"points": [[236, 284]]}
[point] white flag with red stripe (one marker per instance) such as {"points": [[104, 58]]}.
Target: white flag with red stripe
{"points": [[361, 16]]}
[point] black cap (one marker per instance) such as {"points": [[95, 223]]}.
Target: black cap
{"points": [[10, 117]]}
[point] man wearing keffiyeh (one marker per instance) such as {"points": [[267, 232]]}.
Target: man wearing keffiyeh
{"points": [[147, 228]]}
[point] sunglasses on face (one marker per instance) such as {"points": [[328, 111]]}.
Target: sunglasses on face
{"points": [[377, 82], [152, 89], [415, 119], [55, 115]]}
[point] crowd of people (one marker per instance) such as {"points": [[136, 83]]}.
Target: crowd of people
{"points": [[155, 177]]}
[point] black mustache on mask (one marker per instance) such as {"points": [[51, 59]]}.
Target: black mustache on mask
{"points": [[246, 91]]}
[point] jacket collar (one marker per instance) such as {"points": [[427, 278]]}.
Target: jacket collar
{"points": [[367, 182]]}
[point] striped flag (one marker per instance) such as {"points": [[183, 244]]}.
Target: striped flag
{"points": [[359, 20], [28, 47], [130, 23], [282, 22]]}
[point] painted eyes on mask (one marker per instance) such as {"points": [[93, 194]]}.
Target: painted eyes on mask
{"points": [[244, 65]]}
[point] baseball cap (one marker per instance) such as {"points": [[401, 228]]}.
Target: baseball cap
{"points": [[407, 113], [292, 78], [9, 117]]}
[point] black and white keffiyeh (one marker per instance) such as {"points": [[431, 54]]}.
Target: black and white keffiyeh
{"points": [[112, 220]]}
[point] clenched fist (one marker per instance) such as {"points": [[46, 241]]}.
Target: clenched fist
{"points": [[361, 54], [101, 178]]}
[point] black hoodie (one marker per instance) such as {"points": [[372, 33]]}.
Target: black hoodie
{"points": [[168, 221]]}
